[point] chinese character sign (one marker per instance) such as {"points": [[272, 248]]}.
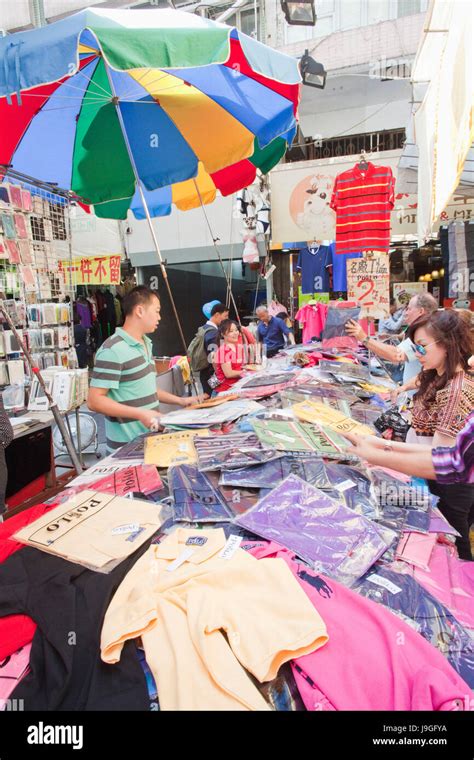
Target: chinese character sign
{"points": [[368, 283], [94, 270]]}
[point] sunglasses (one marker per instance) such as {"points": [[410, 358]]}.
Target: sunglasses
{"points": [[422, 349]]}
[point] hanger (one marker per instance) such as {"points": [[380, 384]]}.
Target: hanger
{"points": [[363, 165], [314, 243], [312, 302]]}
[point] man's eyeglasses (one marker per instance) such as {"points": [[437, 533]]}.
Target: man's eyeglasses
{"points": [[422, 349]]}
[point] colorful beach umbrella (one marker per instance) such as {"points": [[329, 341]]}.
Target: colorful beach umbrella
{"points": [[144, 108]]}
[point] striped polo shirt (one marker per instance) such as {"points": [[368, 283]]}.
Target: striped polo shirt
{"points": [[126, 368], [363, 202]]}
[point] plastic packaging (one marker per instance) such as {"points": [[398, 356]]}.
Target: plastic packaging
{"points": [[269, 475], [195, 498], [324, 533], [229, 452], [404, 596], [350, 486], [394, 493], [334, 333]]}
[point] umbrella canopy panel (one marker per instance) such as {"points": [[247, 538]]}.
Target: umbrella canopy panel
{"points": [[203, 107]]}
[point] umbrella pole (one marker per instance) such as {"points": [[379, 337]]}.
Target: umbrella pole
{"points": [[116, 102], [53, 406], [214, 242]]}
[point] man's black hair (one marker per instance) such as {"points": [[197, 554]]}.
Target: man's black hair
{"points": [[139, 295], [219, 308]]}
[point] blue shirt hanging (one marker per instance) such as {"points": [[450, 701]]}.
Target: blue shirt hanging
{"points": [[314, 263], [339, 269]]}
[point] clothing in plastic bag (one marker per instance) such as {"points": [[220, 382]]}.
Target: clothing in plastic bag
{"points": [[439, 524], [350, 486], [417, 521], [229, 452], [392, 492], [334, 334], [312, 470], [263, 380], [239, 500], [392, 518], [195, 498], [324, 533], [402, 593], [416, 549], [282, 692]]}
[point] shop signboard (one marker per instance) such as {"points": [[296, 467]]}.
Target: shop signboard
{"points": [[93, 270], [368, 284], [404, 291]]}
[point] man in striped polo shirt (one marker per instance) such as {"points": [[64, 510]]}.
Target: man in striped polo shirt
{"points": [[123, 385]]}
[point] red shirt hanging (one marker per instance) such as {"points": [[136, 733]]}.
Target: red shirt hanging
{"points": [[363, 201]]}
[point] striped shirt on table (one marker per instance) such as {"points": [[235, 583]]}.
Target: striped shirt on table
{"points": [[456, 464], [126, 367], [363, 202]]}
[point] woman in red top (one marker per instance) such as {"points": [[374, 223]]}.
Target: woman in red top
{"points": [[229, 357]]}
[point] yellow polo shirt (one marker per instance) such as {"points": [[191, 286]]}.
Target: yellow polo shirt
{"points": [[203, 622]]}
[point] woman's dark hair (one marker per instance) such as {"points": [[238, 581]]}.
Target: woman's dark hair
{"points": [[451, 331], [224, 328]]}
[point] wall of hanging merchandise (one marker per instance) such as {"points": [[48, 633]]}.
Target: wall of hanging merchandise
{"points": [[68, 387], [34, 239]]}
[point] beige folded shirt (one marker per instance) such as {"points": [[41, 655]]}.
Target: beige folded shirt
{"points": [[93, 528]]}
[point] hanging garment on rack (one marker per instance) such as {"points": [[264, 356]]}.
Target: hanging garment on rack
{"points": [[453, 263], [469, 235], [339, 271], [363, 201], [443, 237], [313, 319], [94, 309], [83, 311], [314, 263]]}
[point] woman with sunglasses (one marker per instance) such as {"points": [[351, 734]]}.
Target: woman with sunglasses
{"points": [[442, 404]]}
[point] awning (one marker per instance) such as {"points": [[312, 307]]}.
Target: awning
{"points": [[442, 129]]}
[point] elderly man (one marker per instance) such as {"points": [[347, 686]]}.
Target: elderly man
{"points": [[272, 331], [419, 306]]}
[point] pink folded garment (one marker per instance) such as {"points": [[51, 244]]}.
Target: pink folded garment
{"points": [[12, 670], [142, 478], [451, 580], [373, 660], [416, 549]]}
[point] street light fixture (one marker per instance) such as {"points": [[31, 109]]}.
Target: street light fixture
{"points": [[313, 72], [299, 13]]}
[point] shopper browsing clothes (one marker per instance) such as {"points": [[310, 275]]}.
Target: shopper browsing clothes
{"points": [[419, 307], [123, 386], [442, 404], [272, 331], [445, 464]]}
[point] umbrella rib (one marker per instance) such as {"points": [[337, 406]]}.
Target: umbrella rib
{"points": [[96, 84], [65, 97]]}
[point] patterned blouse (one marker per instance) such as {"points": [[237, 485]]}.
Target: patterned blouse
{"points": [[448, 413], [456, 464]]}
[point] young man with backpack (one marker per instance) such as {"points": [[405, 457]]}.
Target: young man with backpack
{"points": [[204, 344]]}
